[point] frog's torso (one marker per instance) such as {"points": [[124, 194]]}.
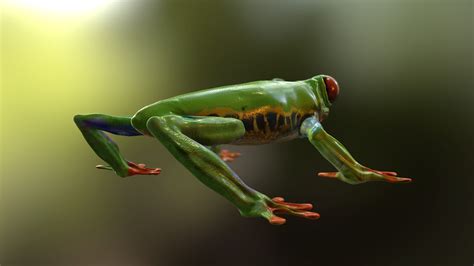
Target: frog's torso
{"points": [[270, 110]]}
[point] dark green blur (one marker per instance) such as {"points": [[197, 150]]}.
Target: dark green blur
{"points": [[406, 104]]}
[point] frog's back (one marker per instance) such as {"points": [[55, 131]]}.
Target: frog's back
{"points": [[247, 95]]}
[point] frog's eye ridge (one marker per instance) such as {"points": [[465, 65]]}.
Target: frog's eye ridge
{"points": [[332, 88]]}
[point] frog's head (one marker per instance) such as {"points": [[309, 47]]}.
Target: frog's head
{"points": [[326, 91]]}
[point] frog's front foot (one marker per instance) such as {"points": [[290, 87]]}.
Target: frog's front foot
{"points": [[135, 169], [269, 208], [228, 156]]}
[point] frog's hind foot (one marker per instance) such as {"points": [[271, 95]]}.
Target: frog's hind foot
{"points": [[135, 169], [140, 169], [279, 206], [228, 156]]}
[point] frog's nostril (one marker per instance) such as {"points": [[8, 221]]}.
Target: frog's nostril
{"points": [[332, 88]]}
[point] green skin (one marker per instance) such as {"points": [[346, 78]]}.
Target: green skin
{"points": [[193, 125]]}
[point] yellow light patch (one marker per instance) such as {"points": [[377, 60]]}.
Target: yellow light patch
{"points": [[61, 6]]}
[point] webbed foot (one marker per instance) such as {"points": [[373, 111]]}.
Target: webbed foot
{"points": [[365, 174], [269, 208], [135, 169], [279, 206], [228, 156]]}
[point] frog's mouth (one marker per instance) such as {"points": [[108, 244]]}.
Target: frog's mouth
{"points": [[323, 113]]}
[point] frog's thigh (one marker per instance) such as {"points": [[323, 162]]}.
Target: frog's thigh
{"points": [[206, 130]]}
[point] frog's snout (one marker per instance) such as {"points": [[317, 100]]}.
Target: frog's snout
{"points": [[332, 88]]}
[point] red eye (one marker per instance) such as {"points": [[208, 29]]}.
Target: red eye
{"points": [[332, 88]]}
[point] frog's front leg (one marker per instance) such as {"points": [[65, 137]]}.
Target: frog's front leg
{"points": [[186, 138], [350, 171]]}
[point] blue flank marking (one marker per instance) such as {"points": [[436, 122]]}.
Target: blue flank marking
{"points": [[123, 130]]}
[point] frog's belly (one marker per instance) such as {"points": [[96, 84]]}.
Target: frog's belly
{"points": [[266, 125], [263, 128], [262, 137]]}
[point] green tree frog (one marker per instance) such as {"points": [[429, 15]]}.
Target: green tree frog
{"points": [[193, 125]]}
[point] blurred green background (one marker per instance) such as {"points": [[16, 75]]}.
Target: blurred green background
{"points": [[406, 104]]}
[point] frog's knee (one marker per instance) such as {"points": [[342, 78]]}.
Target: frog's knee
{"points": [[81, 120], [139, 122], [234, 129], [78, 119]]}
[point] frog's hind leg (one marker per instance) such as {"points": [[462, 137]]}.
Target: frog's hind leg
{"points": [[92, 127], [187, 137]]}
